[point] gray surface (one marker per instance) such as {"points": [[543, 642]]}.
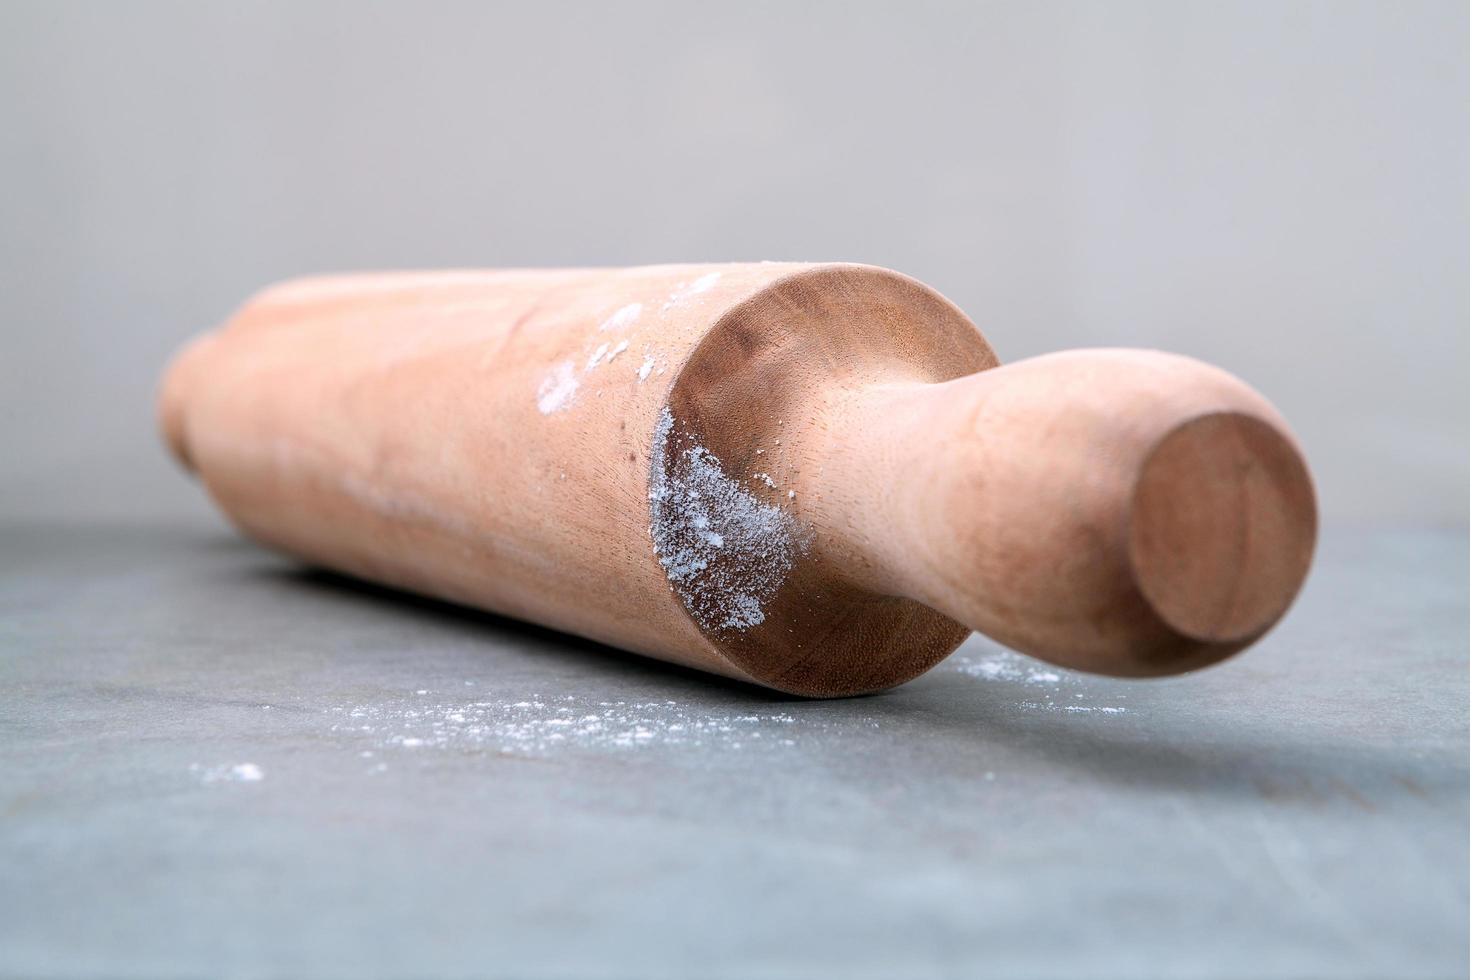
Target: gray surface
{"points": [[1299, 812], [1281, 188]]}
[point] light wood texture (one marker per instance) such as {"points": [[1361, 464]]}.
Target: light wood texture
{"points": [[813, 477]]}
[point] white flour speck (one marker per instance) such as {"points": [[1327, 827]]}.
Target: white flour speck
{"points": [[557, 389], [1073, 708], [596, 356], [725, 552], [703, 284], [686, 291], [621, 346], [645, 368], [243, 772], [624, 317]]}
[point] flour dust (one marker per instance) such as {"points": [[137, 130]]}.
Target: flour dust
{"points": [[240, 772], [557, 389], [1052, 689], [726, 552], [535, 725]]}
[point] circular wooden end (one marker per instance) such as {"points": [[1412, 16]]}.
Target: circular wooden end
{"points": [[1222, 528], [753, 380]]}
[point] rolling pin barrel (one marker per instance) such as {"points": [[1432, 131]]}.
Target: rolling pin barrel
{"points": [[812, 477]]}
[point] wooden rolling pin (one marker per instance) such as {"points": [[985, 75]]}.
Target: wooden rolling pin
{"points": [[812, 477]]}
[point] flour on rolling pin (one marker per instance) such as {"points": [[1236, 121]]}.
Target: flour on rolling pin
{"points": [[559, 387], [725, 552], [497, 439]]}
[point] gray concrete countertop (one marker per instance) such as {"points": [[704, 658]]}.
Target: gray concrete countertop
{"points": [[213, 763]]}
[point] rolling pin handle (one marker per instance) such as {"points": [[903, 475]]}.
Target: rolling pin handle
{"points": [[1124, 512]]}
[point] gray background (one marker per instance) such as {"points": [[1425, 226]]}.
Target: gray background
{"points": [[1282, 188]]}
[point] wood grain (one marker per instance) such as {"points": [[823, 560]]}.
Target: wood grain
{"points": [[521, 441]]}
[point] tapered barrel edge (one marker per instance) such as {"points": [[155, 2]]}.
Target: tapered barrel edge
{"points": [[751, 396]]}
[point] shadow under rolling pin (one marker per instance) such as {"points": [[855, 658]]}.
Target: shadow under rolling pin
{"points": [[812, 477]]}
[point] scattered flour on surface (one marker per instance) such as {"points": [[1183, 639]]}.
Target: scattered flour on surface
{"points": [[645, 368], [724, 551], [1003, 665], [557, 389], [622, 318], [243, 772], [622, 345], [536, 725], [596, 356]]}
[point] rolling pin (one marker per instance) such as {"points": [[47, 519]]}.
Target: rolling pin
{"points": [[813, 477]]}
